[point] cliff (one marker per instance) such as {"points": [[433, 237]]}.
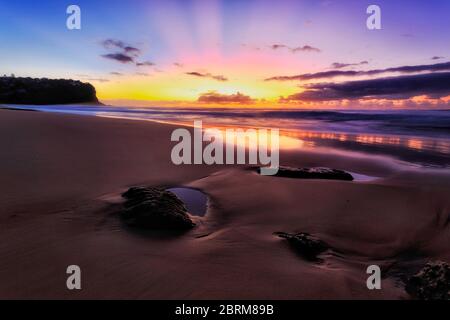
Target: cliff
{"points": [[45, 91]]}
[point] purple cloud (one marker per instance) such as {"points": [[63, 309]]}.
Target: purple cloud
{"points": [[338, 65], [340, 73], [145, 64], [433, 85], [119, 57], [207, 75], [305, 48]]}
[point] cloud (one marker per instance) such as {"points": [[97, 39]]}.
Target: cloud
{"points": [[305, 48], [87, 77], [97, 79], [145, 64], [111, 43], [177, 64], [278, 46], [132, 50], [339, 65], [116, 73], [207, 75], [340, 73], [434, 85], [119, 57], [215, 97], [123, 52], [142, 74], [118, 44], [436, 58]]}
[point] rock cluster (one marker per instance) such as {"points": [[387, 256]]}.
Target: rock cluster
{"points": [[155, 208], [313, 173], [432, 282], [305, 244]]}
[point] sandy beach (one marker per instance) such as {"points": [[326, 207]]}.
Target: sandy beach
{"points": [[61, 180]]}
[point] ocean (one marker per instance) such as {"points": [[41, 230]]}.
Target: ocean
{"points": [[421, 137]]}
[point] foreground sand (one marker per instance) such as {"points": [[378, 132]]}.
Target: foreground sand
{"points": [[60, 180]]}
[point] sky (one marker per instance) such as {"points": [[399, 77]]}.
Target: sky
{"points": [[240, 53]]}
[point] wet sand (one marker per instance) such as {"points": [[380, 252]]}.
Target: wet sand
{"points": [[62, 176]]}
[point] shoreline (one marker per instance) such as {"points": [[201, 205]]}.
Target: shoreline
{"points": [[63, 175], [411, 149]]}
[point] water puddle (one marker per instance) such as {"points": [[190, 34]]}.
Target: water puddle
{"points": [[362, 177], [195, 200]]}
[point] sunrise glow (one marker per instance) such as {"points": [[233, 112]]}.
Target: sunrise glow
{"points": [[234, 54]]}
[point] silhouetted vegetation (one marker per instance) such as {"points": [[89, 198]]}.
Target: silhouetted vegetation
{"points": [[45, 91]]}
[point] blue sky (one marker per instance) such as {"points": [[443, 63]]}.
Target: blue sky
{"points": [[212, 37]]}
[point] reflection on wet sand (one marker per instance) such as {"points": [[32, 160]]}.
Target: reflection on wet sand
{"points": [[416, 143], [424, 151], [427, 151], [420, 137]]}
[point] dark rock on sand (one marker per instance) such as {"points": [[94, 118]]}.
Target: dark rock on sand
{"points": [[305, 244], [313, 173], [430, 283], [155, 208], [45, 91]]}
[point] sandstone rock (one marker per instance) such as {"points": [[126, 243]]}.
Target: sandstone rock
{"points": [[155, 208], [305, 244], [430, 283], [313, 173]]}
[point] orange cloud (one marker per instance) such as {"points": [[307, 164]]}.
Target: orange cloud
{"points": [[214, 97]]}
